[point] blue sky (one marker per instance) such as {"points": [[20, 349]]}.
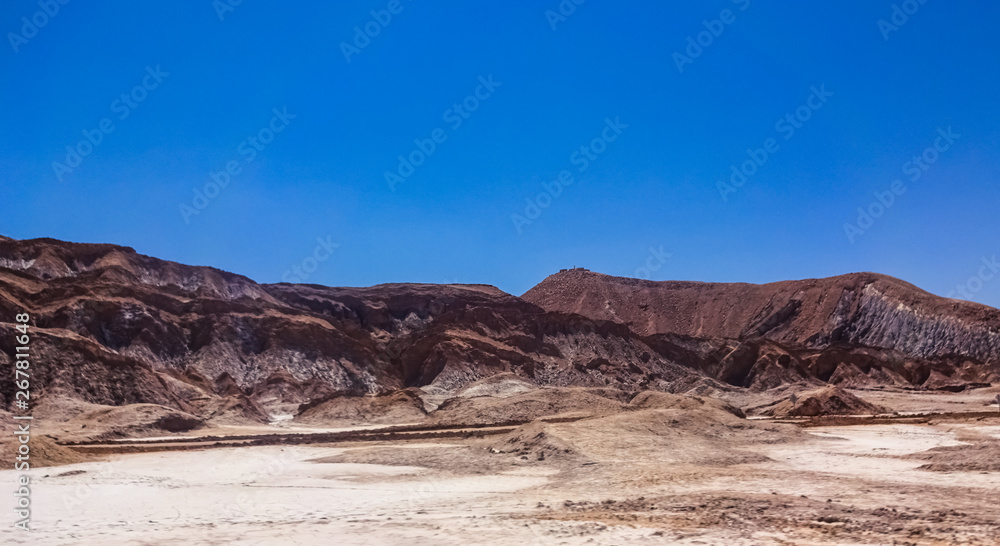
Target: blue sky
{"points": [[662, 123]]}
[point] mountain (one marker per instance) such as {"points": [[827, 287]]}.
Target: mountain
{"points": [[857, 328], [113, 327]]}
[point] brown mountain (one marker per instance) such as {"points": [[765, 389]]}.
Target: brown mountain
{"points": [[113, 327], [861, 327]]}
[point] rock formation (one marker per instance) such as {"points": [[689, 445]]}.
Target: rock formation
{"points": [[113, 327]]}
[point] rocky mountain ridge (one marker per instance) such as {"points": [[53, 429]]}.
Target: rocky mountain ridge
{"points": [[858, 309], [114, 327]]}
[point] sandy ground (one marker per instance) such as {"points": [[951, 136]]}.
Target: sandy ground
{"points": [[810, 492], [266, 495], [691, 474], [981, 399]]}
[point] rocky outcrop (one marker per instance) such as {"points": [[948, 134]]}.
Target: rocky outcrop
{"points": [[827, 400], [880, 320]]}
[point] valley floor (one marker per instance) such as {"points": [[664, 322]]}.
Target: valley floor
{"points": [[926, 483]]}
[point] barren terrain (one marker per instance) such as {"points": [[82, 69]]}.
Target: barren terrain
{"points": [[175, 404], [658, 469]]}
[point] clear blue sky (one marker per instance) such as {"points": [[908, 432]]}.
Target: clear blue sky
{"points": [[323, 175]]}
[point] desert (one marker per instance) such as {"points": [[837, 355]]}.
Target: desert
{"points": [[569, 272], [184, 404]]}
